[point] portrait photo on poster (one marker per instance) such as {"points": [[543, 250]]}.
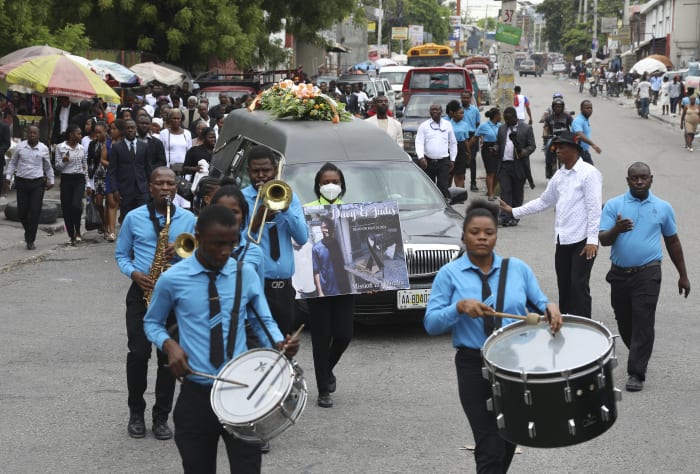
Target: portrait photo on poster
{"points": [[352, 248]]}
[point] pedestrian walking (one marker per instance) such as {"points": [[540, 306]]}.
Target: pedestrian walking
{"points": [[472, 118], [522, 105], [664, 98], [436, 148], [689, 121], [71, 160], [675, 94], [464, 292], [31, 166], [455, 112], [581, 126], [644, 95], [488, 134], [632, 223], [576, 194]]}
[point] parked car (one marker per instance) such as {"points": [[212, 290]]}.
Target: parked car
{"points": [[395, 75], [375, 169], [372, 87], [417, 111], [527, 68], [559, 67], [484, 84]]}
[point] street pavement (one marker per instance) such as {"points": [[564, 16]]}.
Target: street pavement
{"points": [[63, 347]]}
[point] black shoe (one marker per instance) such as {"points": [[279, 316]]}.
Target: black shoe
{"points": [[161, 430], [325, 400], [634, 384], [265, 447], [137, 427], [31, 246], [474, 187], [513, 222], [331, 383]]}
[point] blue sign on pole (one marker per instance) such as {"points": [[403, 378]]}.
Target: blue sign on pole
{"points": [[454, 33], [594, 44]]}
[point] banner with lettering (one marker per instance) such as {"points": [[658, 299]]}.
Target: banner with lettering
{"points": [[352, 248]]}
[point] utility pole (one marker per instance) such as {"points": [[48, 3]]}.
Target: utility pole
{"points": [[380, 15], [594, 43], [506, 70], [585, 11]]}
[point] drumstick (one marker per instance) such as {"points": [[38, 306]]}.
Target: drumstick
{"points": [[281, 354], [215, 377], [531, 318]]}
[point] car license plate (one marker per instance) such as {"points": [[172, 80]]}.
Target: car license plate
{"points": [[412, 299]]}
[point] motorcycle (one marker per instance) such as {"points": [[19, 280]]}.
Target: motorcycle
{"points": [[593, 86]]}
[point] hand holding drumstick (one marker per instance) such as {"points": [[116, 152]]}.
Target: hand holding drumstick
{"points": [[477, 309]]}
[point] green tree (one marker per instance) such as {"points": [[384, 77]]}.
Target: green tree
{"points": [[31, 23], [490, 23]]}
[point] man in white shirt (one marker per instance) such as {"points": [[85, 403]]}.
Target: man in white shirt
{"points": [[381, 120], [575, 191], [362, 98], [644, 96], [436, 148]]}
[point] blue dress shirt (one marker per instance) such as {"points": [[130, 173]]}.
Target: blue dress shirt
{"points": [[472, 117], [137, 241], [459, 280], [642, 244], [290, 225], [489, 131], [461, 129], [253, 257], [581, 124], [184, 289]]}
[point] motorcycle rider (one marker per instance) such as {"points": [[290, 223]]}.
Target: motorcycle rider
{"points": [[555, 123]]}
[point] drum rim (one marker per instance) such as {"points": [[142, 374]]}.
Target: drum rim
{"points": [[575, 372], [218, 383]]}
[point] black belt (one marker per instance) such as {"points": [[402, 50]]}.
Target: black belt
{"points": [[617, 269], [277, 284], [437, 159], [28, 180]]}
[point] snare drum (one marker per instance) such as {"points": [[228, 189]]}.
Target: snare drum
{"points": [[276, 404], [550, 391]]}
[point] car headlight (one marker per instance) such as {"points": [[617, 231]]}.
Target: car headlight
{"points": [[408, 135]]}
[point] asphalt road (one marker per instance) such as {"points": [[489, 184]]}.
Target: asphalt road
{"points": [[63, 346]]}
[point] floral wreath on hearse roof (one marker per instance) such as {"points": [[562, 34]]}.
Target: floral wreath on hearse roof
{"points": [[300, 102]]}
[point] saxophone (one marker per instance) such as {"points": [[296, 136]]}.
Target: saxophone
{"points": [[160, 264]]}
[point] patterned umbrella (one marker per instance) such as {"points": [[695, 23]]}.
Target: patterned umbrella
{"points": [[56, 75], [120, 73], [30, 52]]}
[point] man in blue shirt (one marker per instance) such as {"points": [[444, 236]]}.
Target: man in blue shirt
{"points": [[631, 223], [209, 339], [136, 247], [472, 118], [581, 126], [276, 234]]}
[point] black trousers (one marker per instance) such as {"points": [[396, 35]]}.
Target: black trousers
{"points": [[573, 276], [137, 360], [129, 203], [472, 162], [30, 196], [439, 172], [72, 191], [492, 453], [586, 156], [331, 324], [197, 432], [512, 181], [281, 303], [634, 297]]}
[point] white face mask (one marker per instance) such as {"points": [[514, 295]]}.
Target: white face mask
{"points": [[331, 191]]}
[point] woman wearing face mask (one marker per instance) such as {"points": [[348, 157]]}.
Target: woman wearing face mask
{"points": [[330, 314]]}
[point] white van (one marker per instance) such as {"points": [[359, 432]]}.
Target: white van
{"points": [[395, 75]]}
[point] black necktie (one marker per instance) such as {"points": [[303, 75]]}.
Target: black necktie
{"points": [[489, 321], [216, 348], [132, 149], [274, 243]]}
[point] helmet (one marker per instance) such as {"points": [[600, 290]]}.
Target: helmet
{"points": [[558, 101], [557, 95]]}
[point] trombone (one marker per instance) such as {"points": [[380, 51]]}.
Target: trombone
{"points": [[185, 244], [276, 196]]}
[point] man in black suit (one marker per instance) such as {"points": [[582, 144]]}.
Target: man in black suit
{"points": [[516, 142], [155, 151], [5, 143], [62, 117], [129, 170]]}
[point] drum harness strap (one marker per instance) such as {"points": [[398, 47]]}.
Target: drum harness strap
{"points": [[501, 292], [234, 312]]}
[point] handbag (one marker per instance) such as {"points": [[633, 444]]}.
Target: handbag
{"points": [[184, 188], [93, 220]]}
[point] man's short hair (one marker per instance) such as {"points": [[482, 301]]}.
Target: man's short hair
{"points": [[158, 170], [216, 214], [259, 152]]}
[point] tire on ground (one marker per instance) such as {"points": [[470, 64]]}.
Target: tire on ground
{"points": [[49, 212]]}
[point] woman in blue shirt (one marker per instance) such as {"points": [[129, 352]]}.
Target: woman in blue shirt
{"points": [[488, 131], [455, 114], [331, 313], [458, 302]]}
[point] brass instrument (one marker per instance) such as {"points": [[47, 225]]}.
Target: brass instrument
{"points": [[185, 245], [160, 263], [276, 195]]}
